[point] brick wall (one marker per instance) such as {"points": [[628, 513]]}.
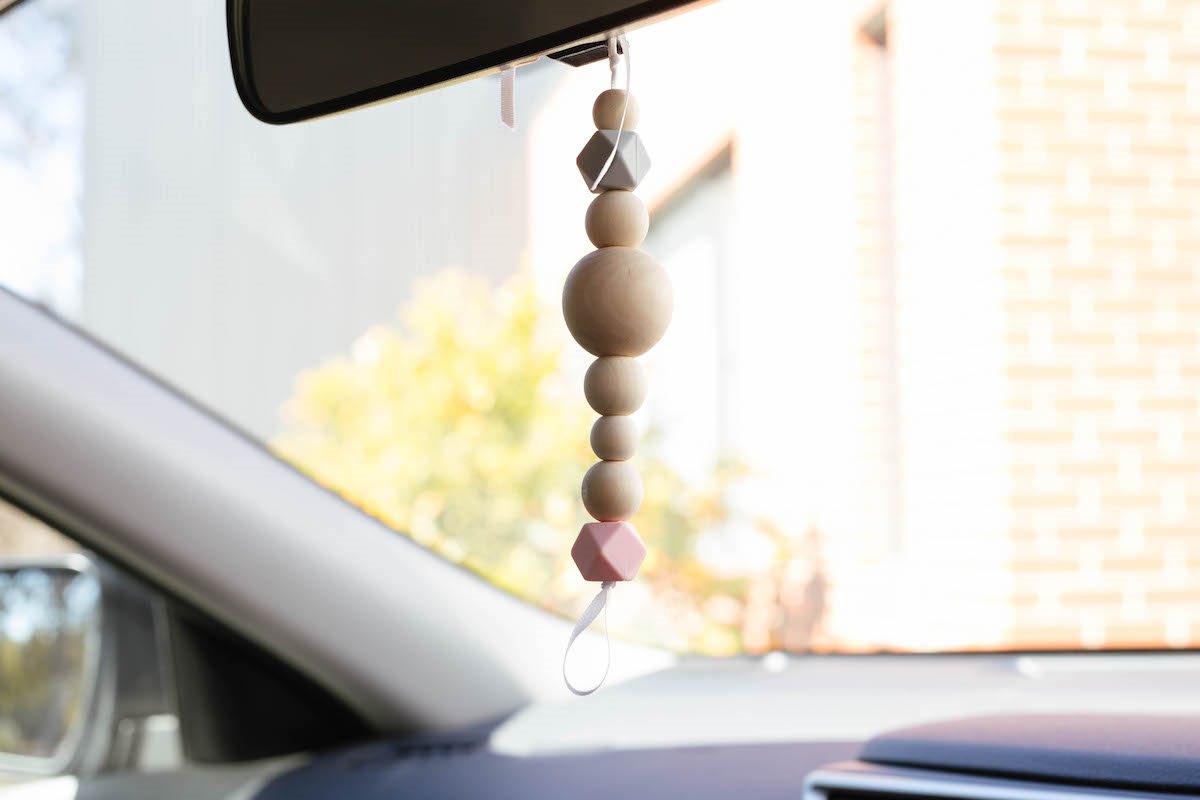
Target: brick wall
{"points": [[1098, 106], [1027, 171]]}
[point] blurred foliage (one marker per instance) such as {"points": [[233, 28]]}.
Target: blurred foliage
{"points": [[33, 676], [43, 649], [460, 428]]}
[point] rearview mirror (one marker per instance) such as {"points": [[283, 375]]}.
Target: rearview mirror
{"points": [[298, 59], [49, 660]]}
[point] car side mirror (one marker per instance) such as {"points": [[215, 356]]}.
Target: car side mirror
{"points": [[85, 680], [50, 660]]}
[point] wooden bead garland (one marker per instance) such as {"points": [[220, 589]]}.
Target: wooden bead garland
{"points": [[617, 302]]}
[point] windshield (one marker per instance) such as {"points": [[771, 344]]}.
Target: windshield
{"points": [[932, 378]]}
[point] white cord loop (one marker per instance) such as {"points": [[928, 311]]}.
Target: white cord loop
{"points": [[614, 58], [599, 603]]}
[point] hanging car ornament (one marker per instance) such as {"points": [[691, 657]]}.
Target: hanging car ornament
{"points": [[617, 302]]}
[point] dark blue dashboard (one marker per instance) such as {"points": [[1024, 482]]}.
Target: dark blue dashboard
{"points": [[1112, 751], [456, 769], [1141, 753]]}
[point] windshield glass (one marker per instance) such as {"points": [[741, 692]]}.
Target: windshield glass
{"points": [[931, 382]]}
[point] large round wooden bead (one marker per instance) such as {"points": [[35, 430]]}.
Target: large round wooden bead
{"points": [[617, 301], [612, 490], [617, 218], [615, 385], [614, 438], [606, 111]]}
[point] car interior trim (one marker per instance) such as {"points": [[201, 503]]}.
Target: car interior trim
{"points": [[207, 514]]}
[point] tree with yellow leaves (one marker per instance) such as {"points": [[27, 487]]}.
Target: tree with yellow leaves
{"points": [[459, 428]]}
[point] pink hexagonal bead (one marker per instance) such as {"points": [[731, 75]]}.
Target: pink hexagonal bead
{"points": [[608, 551]]}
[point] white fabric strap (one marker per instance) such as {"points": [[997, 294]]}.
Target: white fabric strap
{"points": [[508, 96], [599, 603], [613, 59]]}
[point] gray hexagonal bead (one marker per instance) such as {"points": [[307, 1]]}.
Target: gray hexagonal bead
{"points": [[628, 167]]}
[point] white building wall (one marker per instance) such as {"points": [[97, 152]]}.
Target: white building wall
{"points": [[228, 255]]}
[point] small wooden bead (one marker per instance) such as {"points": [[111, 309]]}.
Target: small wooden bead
{"points": [[614, 438], [606, 111], [617, 219], [612, 490], [615, 385], [617, 301]]}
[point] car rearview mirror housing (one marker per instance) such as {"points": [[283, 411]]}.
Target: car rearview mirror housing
{"points": [[298, 59]]}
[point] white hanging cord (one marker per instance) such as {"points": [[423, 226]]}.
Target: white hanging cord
{"points": [[599, 603], [616, 46], [614, 58]]}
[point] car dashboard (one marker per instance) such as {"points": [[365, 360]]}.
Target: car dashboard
{"points": [[736, 730], [1022, 757]]}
